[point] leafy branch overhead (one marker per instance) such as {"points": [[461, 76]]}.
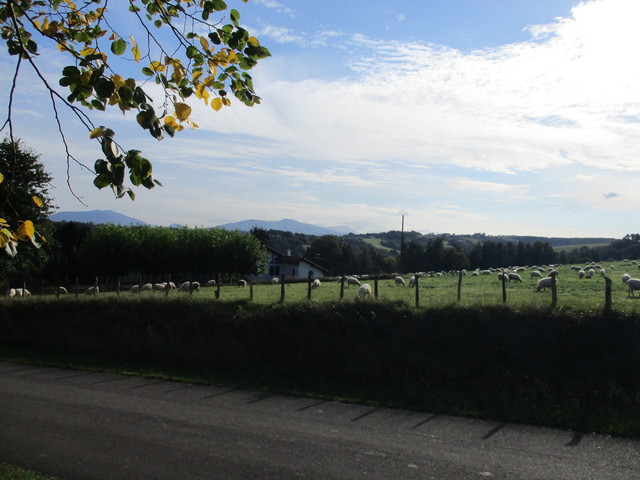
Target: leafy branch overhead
{"points": [[194, 50]]}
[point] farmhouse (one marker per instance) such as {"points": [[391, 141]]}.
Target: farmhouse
{"points": [[291, 267]]}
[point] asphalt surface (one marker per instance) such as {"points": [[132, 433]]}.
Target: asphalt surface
{"points": [[83, 425]]}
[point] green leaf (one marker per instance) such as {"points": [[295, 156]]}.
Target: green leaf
{"points": [[125, 92], [101, 166], [235, 16], [119, 46], [132, 195], [191, 51], [104, 87], [218, 5], [102, 180]]}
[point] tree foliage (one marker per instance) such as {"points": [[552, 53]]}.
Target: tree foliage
{"points": [[24, 203], [194, 50]]}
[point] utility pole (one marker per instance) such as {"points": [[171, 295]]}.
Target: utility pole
{"points": [[403, 213]]}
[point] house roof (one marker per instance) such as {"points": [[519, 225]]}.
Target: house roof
{"points": [[293, 260]]}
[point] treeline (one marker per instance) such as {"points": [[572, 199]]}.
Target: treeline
{"points": [[351, 254], [83, 251]]}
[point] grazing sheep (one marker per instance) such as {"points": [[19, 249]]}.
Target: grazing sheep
{"points": [[581, 274], [536, 274], [412, 281], [275, 281], [515, 277], [603, 272], [545, 282], [353, 281], [135, 289], [211, 283], [147, 287], [22, 292], [195, 286], [11, 292], [94, 290], [633, 284], [316, 283], [365, 289], [590, 273], [399, 281], [485, 272], [625, 277], [242, 283], [185, 287], [159, 287], [62, 291]]}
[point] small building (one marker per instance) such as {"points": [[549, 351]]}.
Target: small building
{"points": [[290, 266]]}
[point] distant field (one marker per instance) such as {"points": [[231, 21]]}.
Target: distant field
{"points": [[586, 294], [568, 248], [376, 243]]}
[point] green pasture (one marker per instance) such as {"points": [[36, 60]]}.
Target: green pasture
{"points": [[586, 294]]}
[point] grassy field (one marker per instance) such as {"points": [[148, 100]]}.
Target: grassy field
{"points": [[587, 294]]}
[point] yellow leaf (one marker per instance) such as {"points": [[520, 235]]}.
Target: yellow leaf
{"points": [[85, 52], [135, 50], [216, 103], [157, 66], [204, 43], [232, 57], [171, 121], [196, 76], [3, 223], [253, 41], [1, 178], [209, 81], [117, 80], [26, 230], [226, 101], [182, 111], [37, 200], [95, 133]]}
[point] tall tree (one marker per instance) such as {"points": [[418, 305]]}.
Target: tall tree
{"points": [[184, 46], [25, 205]]}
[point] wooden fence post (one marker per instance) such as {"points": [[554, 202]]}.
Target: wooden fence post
{"points": [[282, 288], [459, 285], [607, 295], [77, 287], [503, 280], [217, 285], [250, 288], [341, 287], [375, 287], [554, 292], [417, 291], [309, 276]]}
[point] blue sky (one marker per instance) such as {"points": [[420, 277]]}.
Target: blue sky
{"points": [[503, 117]]}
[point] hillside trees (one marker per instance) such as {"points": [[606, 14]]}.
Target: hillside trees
{"points": [[189, 50], [24, 206]]}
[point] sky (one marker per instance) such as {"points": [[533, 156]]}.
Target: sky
{"points": [[495, 116]]}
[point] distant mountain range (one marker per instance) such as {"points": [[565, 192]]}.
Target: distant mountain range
{"points": [[287, 225], [96, 217]]}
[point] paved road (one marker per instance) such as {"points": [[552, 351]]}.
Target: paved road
{"points": [[82, 425]]}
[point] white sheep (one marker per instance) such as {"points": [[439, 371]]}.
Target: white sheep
{"points": [[545, 282], [581, 274], [399, 281], [275, 281], [316, 283], [633, 284], [147, 287], [62, 291], [11, 292], [625, 277], [135, 289], [185, 287], [365, 289], [590, 273], [412, 281], [93, 290], [159, 287], [353, 281], [242, 283], [195, 286], [515, 277], [536, 274], [211, 283], [603, 272]]}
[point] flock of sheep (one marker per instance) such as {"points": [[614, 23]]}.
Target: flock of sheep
{"points": [[546, 276]]}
